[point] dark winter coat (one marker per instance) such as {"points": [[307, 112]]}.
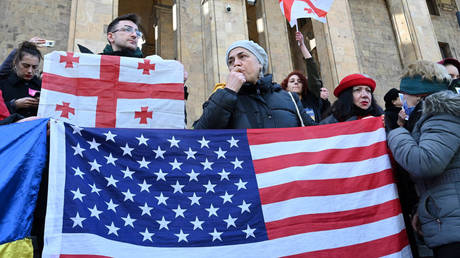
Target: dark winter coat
{"points": [[7, 66], [431, 154], [126, 52], [391, 117], [14, 88], [332, 120], [312, 100], [263, 105]]}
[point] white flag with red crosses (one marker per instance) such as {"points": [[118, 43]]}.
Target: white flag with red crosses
{"points": [[112, 91], [295, 9]]}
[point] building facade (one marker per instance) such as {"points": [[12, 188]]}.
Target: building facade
{"points": [[374, 37]]}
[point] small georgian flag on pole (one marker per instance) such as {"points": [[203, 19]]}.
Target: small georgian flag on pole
{"points": [[295, 9]]}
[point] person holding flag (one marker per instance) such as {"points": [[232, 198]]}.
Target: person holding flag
{"points": [[308, 89]]}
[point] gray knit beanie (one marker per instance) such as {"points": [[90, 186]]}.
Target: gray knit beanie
{"points": [[255, 49]]}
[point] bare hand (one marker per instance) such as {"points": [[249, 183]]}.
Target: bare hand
{"points": [[185, 76], [26, 102], [299, 37], [37, 41], [301, 42], [401, 118], [235, 79], [30, 118], [324, 93], [415, 222]]}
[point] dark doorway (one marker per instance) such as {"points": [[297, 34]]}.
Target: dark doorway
{"points": [[156, 24]]}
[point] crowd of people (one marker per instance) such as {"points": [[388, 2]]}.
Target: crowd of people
{"points": [[422, 118]]}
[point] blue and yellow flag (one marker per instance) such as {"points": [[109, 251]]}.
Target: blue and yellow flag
{"points": [[22, 158]]}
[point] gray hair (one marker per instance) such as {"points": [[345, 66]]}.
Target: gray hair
{"points": [[427, 70]]}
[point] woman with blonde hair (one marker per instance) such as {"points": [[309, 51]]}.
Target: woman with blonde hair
{"points": [[430, 153]]}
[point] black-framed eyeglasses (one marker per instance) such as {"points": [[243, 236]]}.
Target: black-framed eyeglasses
{"points": [[129, 29]]}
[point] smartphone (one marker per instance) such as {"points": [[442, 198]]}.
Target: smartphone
{"points": [[48, 43], [34, 93], [401, 98]]}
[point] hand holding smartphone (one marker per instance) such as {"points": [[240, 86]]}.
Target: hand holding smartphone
{"points": [[48, 43]]}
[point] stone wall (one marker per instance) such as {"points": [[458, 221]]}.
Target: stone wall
{"points": [[377, 50], [23, 19]]}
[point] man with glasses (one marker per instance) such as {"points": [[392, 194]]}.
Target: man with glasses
{"points": [[123, 34]]}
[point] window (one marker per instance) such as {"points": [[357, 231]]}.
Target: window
{"points": [[445, 50], [432, 7]]}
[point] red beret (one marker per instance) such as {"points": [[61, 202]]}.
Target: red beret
{"points": [[354, 80]]}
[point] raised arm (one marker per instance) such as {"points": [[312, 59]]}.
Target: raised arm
{"points": [[314, 79]]}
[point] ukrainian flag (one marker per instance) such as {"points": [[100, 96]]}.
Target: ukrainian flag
{"points": [[22, 158]]}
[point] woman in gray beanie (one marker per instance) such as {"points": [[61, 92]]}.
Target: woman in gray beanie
{"points": [[249, 98], [431, 155]]}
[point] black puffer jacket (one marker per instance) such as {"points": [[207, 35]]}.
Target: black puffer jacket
{"points": [[125, 52], [14, 88], [263, 105]]}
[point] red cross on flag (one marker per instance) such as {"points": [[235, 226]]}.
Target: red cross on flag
{"points": [[112, 91], [295, 9]]}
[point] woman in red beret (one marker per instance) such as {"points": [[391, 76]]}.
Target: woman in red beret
{"points": [[354, 100]]}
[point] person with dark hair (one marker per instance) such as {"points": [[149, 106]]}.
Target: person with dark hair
{"points": [[452, 66], [123, 34], [393, 105], [250, 99], [309, 89], [355, 100], [7, 64], [20, 86]]}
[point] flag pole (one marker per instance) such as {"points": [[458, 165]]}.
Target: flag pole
{"points": [[297, 30]]}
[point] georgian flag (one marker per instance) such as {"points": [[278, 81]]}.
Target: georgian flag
{"points": [[112, 91], [295, 9]]}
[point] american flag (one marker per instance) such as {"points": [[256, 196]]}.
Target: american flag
{"points": [[317, 191]]}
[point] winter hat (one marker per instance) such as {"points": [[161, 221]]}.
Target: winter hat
{"points": [[391, 95], [417, 85], [354, 80], [255, 49]]}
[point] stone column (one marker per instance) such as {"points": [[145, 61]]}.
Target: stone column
{"points": [[202, 44], [220, 29], [190, 53], [165, 44], [89, 21], [276, 40], [335, 42], [414, 31]]}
